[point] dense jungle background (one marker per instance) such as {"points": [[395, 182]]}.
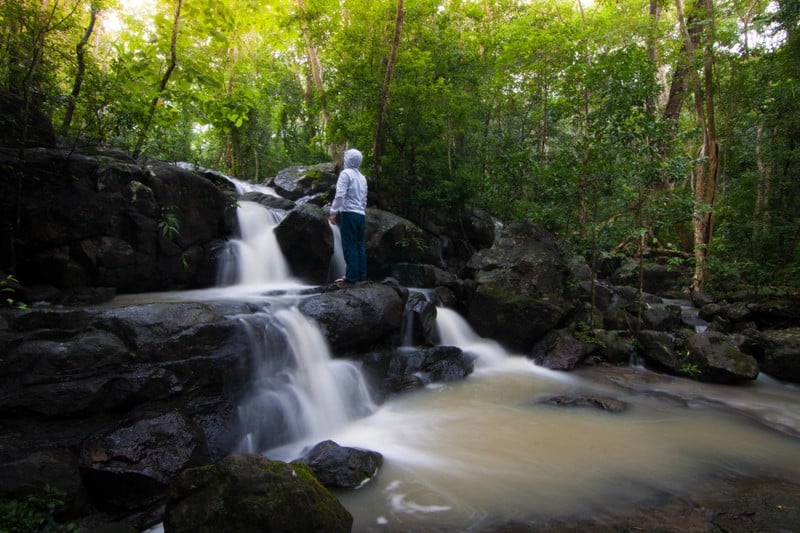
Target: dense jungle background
{"points": [[628, 127]]}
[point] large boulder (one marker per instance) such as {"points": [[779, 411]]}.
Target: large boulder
{"points": [[392, 239], [719, 360], [520, 293], [106, 220], [252, 493], [356, 317], [306, 240]]}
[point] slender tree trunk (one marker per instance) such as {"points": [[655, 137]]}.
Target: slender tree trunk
{"points": [[173, 60], [384, 104], [706, 172], [80, 52]]}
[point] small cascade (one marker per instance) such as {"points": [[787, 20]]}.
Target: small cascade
{"points": [[455, 331], [297, 390], [690, 315], [255, 258], [337, 267]]}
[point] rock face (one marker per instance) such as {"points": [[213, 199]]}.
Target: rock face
{"points": [[251, 493], [108, 404], [105, 220], [520, 292]]}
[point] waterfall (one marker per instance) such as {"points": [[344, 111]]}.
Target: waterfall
{"points": [[337, 266], [255, 258], [455, 331], [297, 391]]}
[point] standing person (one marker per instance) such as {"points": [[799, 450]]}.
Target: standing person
{"points": [[348, 211]]}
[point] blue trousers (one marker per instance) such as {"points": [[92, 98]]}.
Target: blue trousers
{"points": [[353, 227]]}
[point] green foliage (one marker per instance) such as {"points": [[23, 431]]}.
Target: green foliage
{"points": [[35, 512], [550, 111], [5, 287], [169, 223]]}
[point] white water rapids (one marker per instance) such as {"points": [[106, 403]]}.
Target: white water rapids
{"points": [[482, 451]]}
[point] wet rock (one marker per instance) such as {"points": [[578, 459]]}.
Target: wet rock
{"points": [[252, 493], [306, 240], [719, 360], [520, 292], [763, 313], [129, 467], [419, 323], [268, 200], [560, 350], [660, 317], [618, 346], [658, 349], [342, 467], [356, 316], [422, 276], [656, 278], [596, 402], [777, 351], [404, 370], [299, 181]]}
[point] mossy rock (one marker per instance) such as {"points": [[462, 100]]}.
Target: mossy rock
{"points": [[246, 492]]}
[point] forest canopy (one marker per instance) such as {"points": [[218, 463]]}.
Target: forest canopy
{"points": [[627, 127]]}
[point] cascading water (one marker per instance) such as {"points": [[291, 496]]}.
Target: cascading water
{"points": [[255, 258], [455, 331], [297, 391]]}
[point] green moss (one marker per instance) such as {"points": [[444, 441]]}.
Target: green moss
{"points": [[314, 174]]}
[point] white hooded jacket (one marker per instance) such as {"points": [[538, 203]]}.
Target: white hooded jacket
{"points": [[351, 187]]}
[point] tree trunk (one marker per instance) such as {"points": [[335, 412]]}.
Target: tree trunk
{"points": [[706, 172], [173, 60], [384, 104], [80, 52]]}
